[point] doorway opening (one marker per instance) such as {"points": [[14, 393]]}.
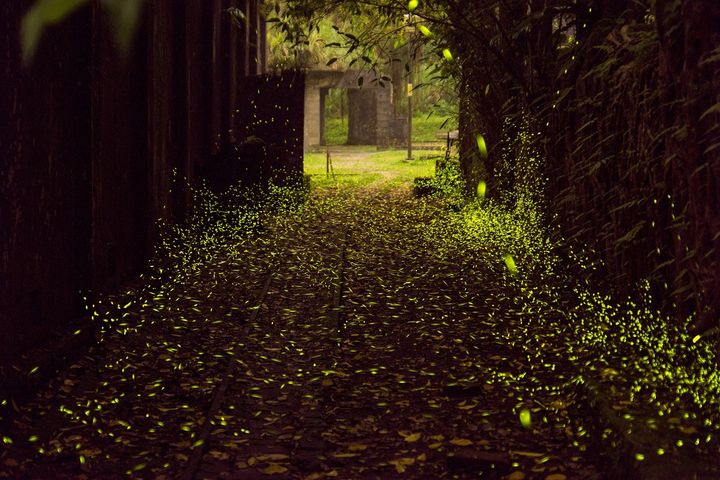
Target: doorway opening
{"points": [[334, 128]]}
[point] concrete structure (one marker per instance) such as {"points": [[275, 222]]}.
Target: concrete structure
{"points": [[371, 119]]}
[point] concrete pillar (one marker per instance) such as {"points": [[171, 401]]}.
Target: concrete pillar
{"points": [[362, 116], [312, 116], [385, 115], [321, 121]]}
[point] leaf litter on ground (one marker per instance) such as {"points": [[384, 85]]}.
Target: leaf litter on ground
{"points": [[309, 400]]}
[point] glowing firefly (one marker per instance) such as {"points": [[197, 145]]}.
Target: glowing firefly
{"points": [[481, 189], [481, 146]]}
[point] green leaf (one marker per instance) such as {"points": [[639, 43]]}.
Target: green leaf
{"points": [[124, 16], [43, 14], [424, 30]]}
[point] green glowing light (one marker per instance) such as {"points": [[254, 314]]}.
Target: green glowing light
{"points": [[412, 5], [447, 54], [510, 263], [481, 145], [639, 457], [481, 190], [424, 30], [525, 418]]}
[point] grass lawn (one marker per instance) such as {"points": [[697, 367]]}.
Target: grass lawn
{"points": [[424, 129], [365, 166]]}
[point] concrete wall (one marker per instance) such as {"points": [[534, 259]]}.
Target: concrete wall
{"points": [[371, 113]]}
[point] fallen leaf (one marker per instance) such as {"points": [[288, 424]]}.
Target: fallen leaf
{"points": [[467, 406], [516, 475], [402, 463], [218, 454], [555, 476], [527, 454], [357, 447], [413, 437], [461, 442], [90, 452], [273, 469], [272, 457]]}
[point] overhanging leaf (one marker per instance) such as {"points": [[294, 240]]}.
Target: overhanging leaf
{"points": [[43, 14], [124, 16]]}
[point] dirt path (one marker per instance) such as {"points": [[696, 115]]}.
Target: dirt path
{"points": [[342, 343]]}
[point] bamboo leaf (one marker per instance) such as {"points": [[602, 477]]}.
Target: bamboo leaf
{"points": [[43, 14]]}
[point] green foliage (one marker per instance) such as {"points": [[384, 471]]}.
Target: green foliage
{"points": [[447, 182], [336, 131], [42, 15], [425, 129], [124, 16], [321, 48], [365, 166], [662, 365]]}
